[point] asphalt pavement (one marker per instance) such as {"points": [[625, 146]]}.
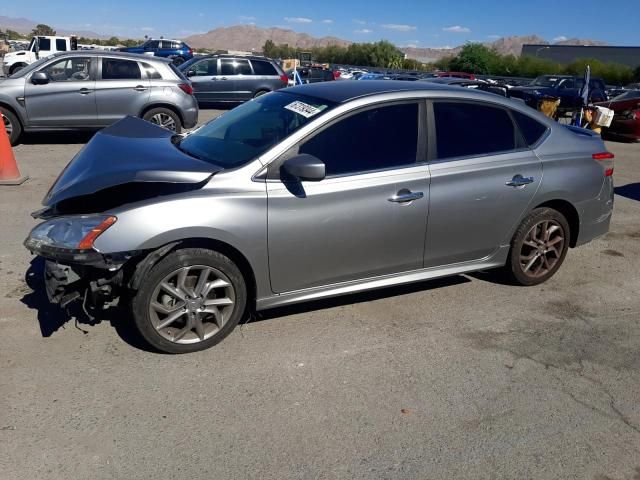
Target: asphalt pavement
{"points": [[451, 379]]}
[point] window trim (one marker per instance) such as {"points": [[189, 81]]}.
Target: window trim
{"points": [[432, 140], [273, 167]]}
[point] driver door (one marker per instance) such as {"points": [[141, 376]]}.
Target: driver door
{"points": [[69, 99], [367, 217]]}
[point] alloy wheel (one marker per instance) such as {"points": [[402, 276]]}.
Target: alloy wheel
{"points": [[542, 248], [164, 120], [7, 125], [192, 304]]}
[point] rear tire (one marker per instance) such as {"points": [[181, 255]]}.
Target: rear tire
{"points": [[178, 61], [259, 93], [165, 118], [203, 289], [16, 68], [538, 247], [11, 124]]}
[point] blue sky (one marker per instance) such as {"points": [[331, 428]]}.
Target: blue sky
{"points": [[422, 23]]}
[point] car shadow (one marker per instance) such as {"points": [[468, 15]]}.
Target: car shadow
{"points": [[356, 298], [53, 318], [631, 191], [57, 138]]}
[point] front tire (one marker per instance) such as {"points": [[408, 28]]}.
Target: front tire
{"points": [[190, 300], [11, 124], [165, 118], [538, 247]]}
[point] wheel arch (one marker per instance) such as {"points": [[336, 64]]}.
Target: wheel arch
{"points": [[144, 263], [570, 212], [12, 109]]}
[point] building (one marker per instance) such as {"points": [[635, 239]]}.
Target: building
{"points": [[629, 56]]}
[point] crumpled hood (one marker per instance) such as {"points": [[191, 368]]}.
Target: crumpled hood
{"points": [[129, 151]]}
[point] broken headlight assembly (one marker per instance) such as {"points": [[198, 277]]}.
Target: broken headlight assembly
{"points": [[69, 238]]}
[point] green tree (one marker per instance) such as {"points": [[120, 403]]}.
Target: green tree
{"points": [[475, 58], [636, 73], [42, 29], [13, 35]]}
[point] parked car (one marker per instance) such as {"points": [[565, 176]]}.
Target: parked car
{"points": [[312, 75], [312, 192], [92, 89], [374, 76], [501, 90], [176, 50], [468, 76], [224, 78], [565, 87], [626, 118]]}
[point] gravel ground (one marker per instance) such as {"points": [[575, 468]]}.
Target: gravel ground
{"points": [[457, 378]]}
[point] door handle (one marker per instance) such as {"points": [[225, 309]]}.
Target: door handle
{"points": [[84, 91], [404, 196], [519, 181], [139, 88]]}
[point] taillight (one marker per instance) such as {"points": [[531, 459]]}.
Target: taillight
{"points": [[186, 88], [284, 79], [607, 159], [336, 74]]}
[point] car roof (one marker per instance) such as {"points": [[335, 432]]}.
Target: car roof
{"points": [[230, 55], [111, 53], [345, 91]]}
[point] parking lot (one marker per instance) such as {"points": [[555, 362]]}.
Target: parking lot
{"points": [[457, 378]]}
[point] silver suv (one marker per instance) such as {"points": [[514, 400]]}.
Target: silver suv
{"points": [[312, 192], [89, 90]]}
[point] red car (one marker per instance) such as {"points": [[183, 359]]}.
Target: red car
{"points": [[626, 119], [468, 76]]}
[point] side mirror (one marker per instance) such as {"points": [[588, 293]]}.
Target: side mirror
{"points": [[40, 78], [305, 167], [191, 73]]}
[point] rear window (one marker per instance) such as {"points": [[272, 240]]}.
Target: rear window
{"points": [[113, 69], [263, 68], [61, 45], [150, 72], [531, 129], [472, 129]]}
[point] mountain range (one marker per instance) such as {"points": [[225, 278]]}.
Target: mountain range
{"points": [[252, 38]]}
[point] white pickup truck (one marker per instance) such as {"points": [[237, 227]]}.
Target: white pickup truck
{"points": [[40, 47]]}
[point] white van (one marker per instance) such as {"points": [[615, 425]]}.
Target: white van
{"points": [[39, 47]]}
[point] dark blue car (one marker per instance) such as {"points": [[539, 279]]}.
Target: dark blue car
{"points": [[176, 50]]}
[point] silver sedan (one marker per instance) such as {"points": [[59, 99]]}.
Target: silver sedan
{"points": [[313, 192]]}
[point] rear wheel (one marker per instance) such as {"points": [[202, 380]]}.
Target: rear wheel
{"points": [[259, 93], [191, 300], [539, 247], [11, 124], [16, 68], [164, 118], [178, 61]]}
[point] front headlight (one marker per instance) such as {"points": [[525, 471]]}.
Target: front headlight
{"points": [[69, 233]]}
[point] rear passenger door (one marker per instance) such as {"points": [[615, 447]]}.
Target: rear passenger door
{"points": [[121, 89], [240, 76], [483, 179]]}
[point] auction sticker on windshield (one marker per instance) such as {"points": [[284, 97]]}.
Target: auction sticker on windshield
{"points": [[303, 109]]}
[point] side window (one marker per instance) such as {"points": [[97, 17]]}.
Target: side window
{"points": [[226, 66], [74, 69], [375, 139], [152, 44], [471, 129], [261, 67], [176, 45], [567, 84], [205, 68], [243, 67], [166, 44], [113, 69], [45, 44], [150, 72], [61, 45], [531, 129]]}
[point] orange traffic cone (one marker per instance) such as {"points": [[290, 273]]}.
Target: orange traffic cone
{"points": [[9, 173]]}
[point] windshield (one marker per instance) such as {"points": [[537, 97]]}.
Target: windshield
{"points": [[185, 66], [544, 81], [631, 94], [249, 130]]}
